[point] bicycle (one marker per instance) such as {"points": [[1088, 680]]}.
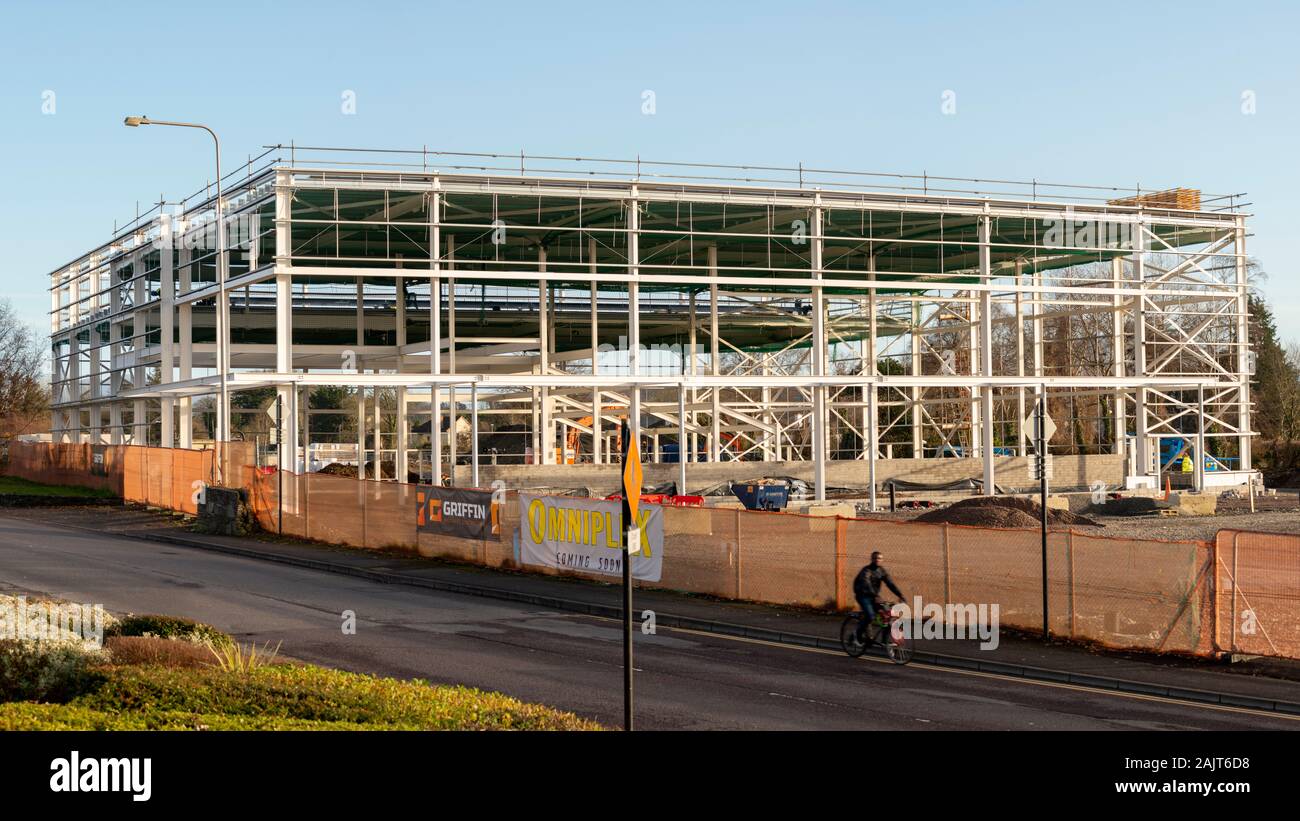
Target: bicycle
{"points": [[895, 644]]}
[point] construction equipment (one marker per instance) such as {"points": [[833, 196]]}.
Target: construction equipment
{"points": [[762, 495], [568, 454]]}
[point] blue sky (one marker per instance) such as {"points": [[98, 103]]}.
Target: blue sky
{"points": [[1104, 93]]}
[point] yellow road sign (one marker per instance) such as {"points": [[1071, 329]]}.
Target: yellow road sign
{"points": [[632, 478]]}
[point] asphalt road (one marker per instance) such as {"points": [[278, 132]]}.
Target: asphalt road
{"points": [[684, 680]]}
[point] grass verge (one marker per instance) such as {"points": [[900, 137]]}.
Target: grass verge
{"points": [[15, 486], [277, 697]]}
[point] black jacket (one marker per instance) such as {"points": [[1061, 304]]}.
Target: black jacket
{"points": [[869, 579]]}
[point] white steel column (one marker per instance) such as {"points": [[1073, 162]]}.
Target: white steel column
{"points": [[185, 323], [1200, 438], [986, 350], [1022, 435], [681, 439], [399, 318], [545, 431], [976, 404], [865, 422], [1243, 347], [873, 430], [451, 359], [819, 420], [451, 304], [361, 315], [473, 435], [766, 400], [1143, 445], [401, 465], [693, 353], [918, 440], [596, 400], [285, 394], [139, 408], [871, 367], [1118, 426], [1036, 334], [167, 330], [361, 431], [377, 437], [715, 435], [284, 322], [435, 335], [289, 439], [223, 327], [302, 442], [451, 433]]}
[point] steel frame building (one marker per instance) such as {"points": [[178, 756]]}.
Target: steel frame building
{"points": [[780, 314]]}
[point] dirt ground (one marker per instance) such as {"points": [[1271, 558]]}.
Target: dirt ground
{"points": [[1173, 527], [1000, 511], [1199, 527]]}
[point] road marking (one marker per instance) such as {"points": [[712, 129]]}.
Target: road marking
{"points": [[806, 700], [999, 676]]}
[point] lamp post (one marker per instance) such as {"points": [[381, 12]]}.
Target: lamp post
{"points": [[223, 363]]}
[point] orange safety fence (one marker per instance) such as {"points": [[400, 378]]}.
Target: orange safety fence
{"points": [[161, 477], [1128, 593], [1240, 593], [1256, 577]]}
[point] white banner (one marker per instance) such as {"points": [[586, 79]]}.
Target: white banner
{"points": [[571, 533]]}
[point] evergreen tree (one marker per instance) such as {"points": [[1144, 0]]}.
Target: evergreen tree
{"points": [[1275, 391]]}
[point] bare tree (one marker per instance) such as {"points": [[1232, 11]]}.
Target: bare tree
{"points": [[24, 398]]}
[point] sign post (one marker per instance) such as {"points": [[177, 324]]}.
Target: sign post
{"points": [[631, 544], [279, 466], [1044, 427]]}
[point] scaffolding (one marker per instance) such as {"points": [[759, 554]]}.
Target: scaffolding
{"points": [[417, 303]]}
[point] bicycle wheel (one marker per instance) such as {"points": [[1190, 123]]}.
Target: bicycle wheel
{"points": [[849, 638], [898, 648]]}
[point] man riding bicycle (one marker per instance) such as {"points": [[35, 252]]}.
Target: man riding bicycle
{"points": [[866, 589]]}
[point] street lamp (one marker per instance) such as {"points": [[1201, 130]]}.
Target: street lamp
{"points": [[223, 320]]}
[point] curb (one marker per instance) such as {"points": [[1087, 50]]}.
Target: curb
{"points": [[1029, 672]]}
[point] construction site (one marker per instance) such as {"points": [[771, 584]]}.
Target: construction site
{"points": [[445, 355], [464, 319]]}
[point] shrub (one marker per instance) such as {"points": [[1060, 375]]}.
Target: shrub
{"points": [[243, 659], [125, 650], [290, 697], [171, 627], [46, 670]]}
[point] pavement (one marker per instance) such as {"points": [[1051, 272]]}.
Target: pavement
{"points": [[709, 664]]}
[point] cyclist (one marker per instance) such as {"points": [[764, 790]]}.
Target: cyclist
{"points": [[866, 589]]}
